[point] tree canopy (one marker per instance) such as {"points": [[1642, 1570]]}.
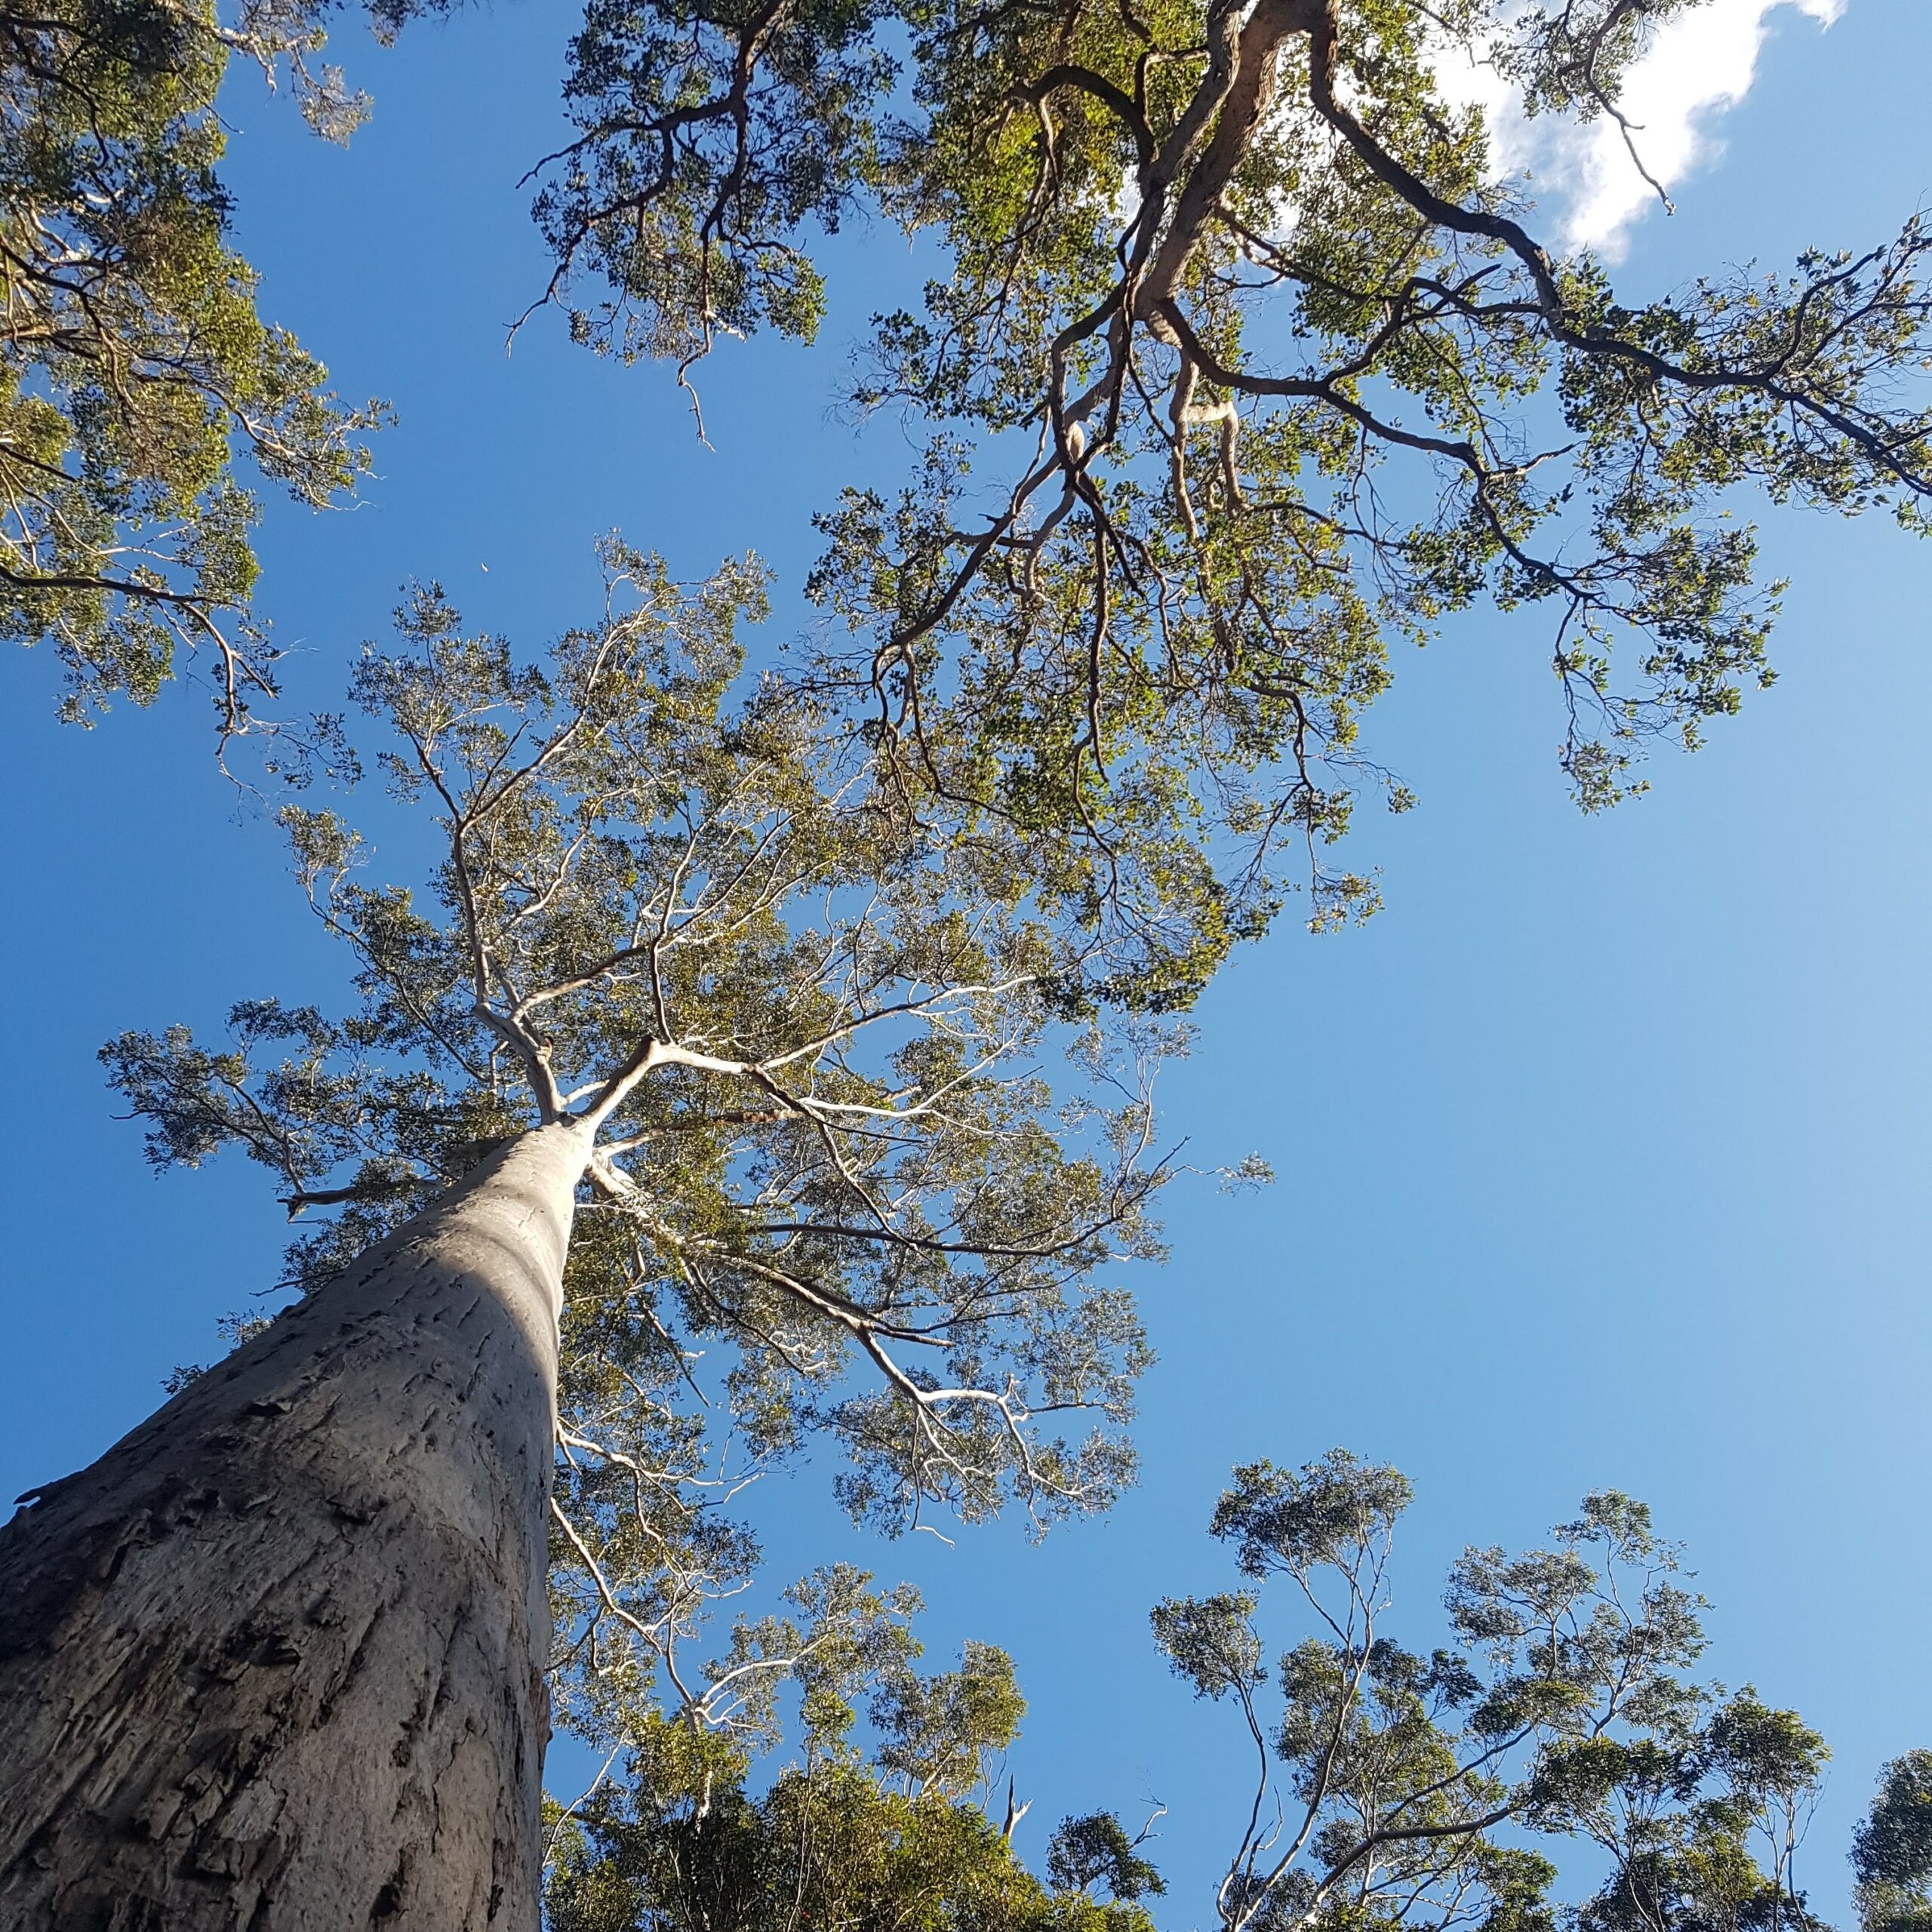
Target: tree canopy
{"points": [[1270, 370], [1396, 1787], [896, 1834], [135, 367]]}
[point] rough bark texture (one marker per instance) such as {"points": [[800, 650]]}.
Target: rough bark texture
{"points": [[273, 1662]]}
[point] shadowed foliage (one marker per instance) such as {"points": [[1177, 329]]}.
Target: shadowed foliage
{"points": [[1891, 1856]]}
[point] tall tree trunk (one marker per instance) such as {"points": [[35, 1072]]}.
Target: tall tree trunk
{"points": [[274, 1661]]}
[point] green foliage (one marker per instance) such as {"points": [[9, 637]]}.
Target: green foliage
{"points": [[1097, 1850], [840, 1837], [937, 1731], [670, 258], [827, 1846], [1891, 1855], [1271, 374], [134, 367]]}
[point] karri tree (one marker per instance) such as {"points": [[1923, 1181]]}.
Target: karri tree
{"points": [[136, 372], [696, 1041], [1240, 365]]}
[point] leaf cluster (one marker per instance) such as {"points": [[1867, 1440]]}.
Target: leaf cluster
{"points": [[1891, 1854], [135, 368], [885, 1833]]}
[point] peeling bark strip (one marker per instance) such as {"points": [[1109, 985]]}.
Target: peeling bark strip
{"points": [[273, 1662]]}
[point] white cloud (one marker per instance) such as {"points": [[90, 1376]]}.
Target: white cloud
{"points": [[1700, 65]]}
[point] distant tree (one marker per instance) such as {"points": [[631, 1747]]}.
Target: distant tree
{"points": [[1095, 1851], [1397, 1788], [1891, 1856], [134, 366], [696, 1040], [894, 1836], [1239, 364]]}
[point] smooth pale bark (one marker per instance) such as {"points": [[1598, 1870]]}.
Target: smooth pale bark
{"points": [[274, 1661]]}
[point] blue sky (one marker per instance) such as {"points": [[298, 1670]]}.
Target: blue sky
{"points": [[1600, 1153]]}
